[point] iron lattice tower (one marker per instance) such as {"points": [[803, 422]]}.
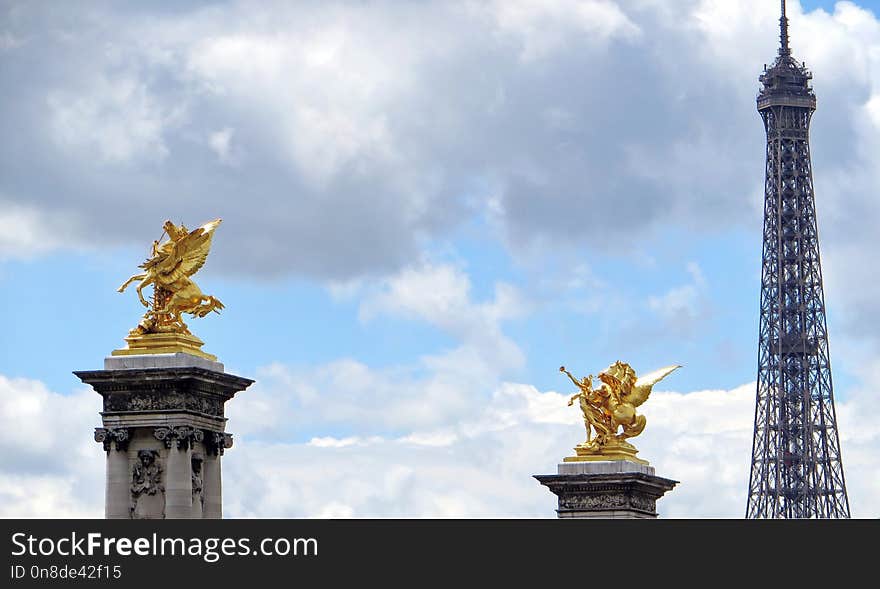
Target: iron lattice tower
{"points": [[796, 471]]}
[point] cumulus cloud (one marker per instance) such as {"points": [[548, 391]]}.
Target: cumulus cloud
{"points": [[441, 295], [440, 388], [860, 439], [480, 464], [221, 142], [543, 27], [474, 465], [27, 232], [116, 119], [346, 392], [371, 129], [48, 463]]}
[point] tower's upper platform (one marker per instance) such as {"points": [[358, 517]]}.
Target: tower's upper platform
{"points": [[786, 82]]}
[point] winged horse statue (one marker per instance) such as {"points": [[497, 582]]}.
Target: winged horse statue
{"points": [[169, 270], [612, 406]]}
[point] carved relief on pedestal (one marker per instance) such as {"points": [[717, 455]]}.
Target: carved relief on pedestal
{"points": [[594, 502], [198, 497], [163, 400], [643, 502], [147, 490], [108, 435]]}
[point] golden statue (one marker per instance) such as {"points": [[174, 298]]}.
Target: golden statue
{"points": [[611, 408], [169, 270]]}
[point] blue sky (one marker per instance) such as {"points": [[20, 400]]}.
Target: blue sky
{"points": [[421, 223], [294, 321], [828, 5]]}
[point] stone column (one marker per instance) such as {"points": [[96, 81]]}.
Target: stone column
{"points": [[617, 489], [212, 488], [117, 496], [216, 444], [178, 481]]}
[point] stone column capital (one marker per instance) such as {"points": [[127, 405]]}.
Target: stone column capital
{"points": [[217, 442], [183, 435], [108, 435]]}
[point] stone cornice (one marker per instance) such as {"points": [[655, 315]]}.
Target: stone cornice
{"points": [[191, 389]]}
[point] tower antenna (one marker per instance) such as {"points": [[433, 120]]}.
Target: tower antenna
{"points": [[784, 49]]}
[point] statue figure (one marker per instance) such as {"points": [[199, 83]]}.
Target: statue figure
{"points": [[591, 405], [610, 410], [169, 270], [147, 490], [198, 498]]}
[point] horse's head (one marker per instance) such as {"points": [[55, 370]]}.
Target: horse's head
{"points": [[620, 374]]}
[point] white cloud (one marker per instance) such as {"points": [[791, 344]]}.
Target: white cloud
{"points": [[374, 130], [116, 118], [545, 26], [677, 302], [479, 464], [440, 387], [27, 232], [440, 294], [50, 465], [221, 144], [327, 96], [345, 392], [860, 440]]}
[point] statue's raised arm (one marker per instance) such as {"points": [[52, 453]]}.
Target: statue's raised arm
{"points": [[586, 385]]}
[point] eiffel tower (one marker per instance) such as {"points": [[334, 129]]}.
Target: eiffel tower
{"points": [[797, 471]]}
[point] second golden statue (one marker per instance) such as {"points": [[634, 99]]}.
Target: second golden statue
{"points": [[610, 411]]}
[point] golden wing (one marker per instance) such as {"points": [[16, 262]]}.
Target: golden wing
{"points": [[188, 255], [642, 388]]}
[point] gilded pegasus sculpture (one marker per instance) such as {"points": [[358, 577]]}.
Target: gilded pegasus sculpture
{"points": [[169, 269], [610, 411]]}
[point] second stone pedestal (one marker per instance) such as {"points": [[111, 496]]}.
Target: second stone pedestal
{"points": [[617, 489]]}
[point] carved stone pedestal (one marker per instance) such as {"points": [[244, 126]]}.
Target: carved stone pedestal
{"points": [[617, 489], [164, 432]]}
